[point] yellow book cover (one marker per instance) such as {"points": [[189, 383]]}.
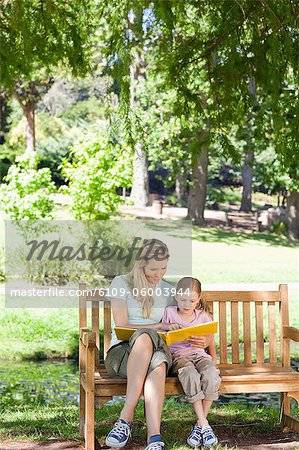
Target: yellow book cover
{"points": [[171, 337]]}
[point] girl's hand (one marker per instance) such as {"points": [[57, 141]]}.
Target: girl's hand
{"points": [[201, 341], [169, 326]]}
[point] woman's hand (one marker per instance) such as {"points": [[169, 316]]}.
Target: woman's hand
{"points": [[169, 326], [201, 341]]}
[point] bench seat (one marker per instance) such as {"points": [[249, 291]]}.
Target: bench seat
{"points": [[233, 381]]}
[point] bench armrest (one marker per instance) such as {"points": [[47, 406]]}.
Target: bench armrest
{"points": [[88, 338], [292, 333]]}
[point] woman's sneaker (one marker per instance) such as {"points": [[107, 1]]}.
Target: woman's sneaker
{"points": [[155, 443], [119, 435], [208, 437], [195, 438]]}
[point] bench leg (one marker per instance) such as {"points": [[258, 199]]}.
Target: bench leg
{"points": [[82, 411], [90, 402], [287, 421]]}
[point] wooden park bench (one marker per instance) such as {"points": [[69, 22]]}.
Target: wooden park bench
{"points": [[254, 343]]}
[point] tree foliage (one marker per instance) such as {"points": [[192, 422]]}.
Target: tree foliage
{"points": [[43, 34], [26, 193], [99, 167], [207, 52]]}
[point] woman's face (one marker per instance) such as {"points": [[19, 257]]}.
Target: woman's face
{"points": [[155, 270]]}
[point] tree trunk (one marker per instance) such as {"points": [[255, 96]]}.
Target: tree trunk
{"points": [[4, 113], [140, 185], [29, 112], [293, 214], [247, 174], [180, 188], [198, 188]]}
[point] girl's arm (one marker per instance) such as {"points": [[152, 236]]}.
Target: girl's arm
{"points": [[212, 351], [203, 341], [120, 316]]}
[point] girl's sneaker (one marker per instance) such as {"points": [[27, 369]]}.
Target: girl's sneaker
{"points": [[155, 443], [119, 435], [195, 437], [208, 437]]}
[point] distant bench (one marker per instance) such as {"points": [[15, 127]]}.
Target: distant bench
{"points": [[245, 369]]}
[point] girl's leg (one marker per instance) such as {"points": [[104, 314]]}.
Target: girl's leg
{"points": [[138, 362], [154, 391], [210, 382], [206, 405], [201, 416]]}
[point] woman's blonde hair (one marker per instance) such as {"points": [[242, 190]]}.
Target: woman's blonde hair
{"points": [[136, 279], [193, 284]]}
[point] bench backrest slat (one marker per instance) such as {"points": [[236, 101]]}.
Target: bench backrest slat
{"points": [[247, 333], [284, 313], [107, 326], [210, 305], [250, 324], [222, 332], [243, 296], [235, 332], [259, 332], [272, 332]]}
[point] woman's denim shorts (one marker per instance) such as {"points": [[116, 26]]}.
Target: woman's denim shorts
{"points": [[117, 356]]}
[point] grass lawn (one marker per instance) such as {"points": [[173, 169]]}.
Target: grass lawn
{"points": [[235, 424], [220, 256], [37, 333]]}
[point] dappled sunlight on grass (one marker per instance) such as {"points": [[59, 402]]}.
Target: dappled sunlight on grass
{"points": [[39, 423], [213, 234]]}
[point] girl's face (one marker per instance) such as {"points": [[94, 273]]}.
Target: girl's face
{"points": [[187, 302], [155, 270]]}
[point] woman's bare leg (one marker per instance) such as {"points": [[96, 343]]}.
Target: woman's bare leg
{"points": [[138, 362], [154, 391]]}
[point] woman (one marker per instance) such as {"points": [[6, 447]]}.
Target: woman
{"points": [[139, 301]]}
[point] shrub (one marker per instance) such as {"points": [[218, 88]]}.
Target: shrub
{"points": [[279, 227], [97, 170], [26, 194]]}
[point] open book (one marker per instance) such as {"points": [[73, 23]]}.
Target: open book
{"points": [[170, 337]]}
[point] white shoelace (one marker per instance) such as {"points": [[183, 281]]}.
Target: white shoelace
{"points": [[120, 429]]}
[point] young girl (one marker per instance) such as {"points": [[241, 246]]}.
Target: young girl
{"points": [[195, 368]]}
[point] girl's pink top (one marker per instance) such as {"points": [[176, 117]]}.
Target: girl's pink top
{"points": [[184, 347]]}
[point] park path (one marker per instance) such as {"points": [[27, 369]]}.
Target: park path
{"points": [[28, 445], [234, 220], [265, 441]]}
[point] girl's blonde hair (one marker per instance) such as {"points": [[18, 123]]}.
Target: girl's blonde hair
{"points": [[193, 284], [136, 279]]}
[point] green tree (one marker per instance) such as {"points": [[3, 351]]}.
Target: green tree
{"points": [[25, 195], [35, 39], [208, 52], [98, 169]]}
